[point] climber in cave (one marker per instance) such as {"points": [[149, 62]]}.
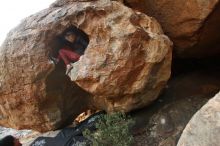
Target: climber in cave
{"points": [[73, 46]]}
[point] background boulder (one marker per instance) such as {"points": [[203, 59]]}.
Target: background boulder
{"points": [[203, 129], [192, 25]]}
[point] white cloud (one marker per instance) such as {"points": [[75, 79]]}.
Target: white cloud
{"points": [[13, 11]]}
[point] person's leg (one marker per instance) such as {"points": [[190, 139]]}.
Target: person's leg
{"points": [[73, 56], [63, 54], [68, 56]]}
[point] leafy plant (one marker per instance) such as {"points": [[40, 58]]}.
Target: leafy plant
{"points": [[112, 130]]}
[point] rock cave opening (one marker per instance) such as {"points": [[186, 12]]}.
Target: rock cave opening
{"points": [[65, 98], [181, 66], [68, 47], [199, 76]]}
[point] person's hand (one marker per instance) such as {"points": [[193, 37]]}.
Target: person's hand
{"points": [[53, 59]]}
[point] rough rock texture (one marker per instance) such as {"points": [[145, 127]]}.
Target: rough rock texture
{"points": [[192, 25], [204, 127], [127, 62], [59, 3], [167, 117], [34, 94]]}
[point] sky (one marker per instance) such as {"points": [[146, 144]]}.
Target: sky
{"points": [[13, 11]]}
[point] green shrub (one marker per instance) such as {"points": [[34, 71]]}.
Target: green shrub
{"points": [[112, 130]]}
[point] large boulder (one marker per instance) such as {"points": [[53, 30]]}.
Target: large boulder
{"points": [[127, 62], [127, 53], [204, 127], [192, 25]]}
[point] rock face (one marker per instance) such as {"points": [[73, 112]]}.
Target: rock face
{"points": [[203, 128], [128, 60], [193, 26]]}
